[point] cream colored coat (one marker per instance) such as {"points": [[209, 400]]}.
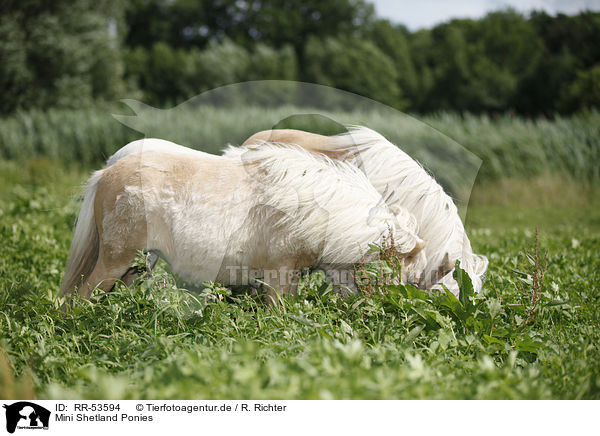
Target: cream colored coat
{"points": [[272, 207]]}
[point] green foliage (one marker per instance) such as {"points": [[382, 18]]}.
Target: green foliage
{"points": [[265, 63], [515, 147], [168, 75], [584, 92], [72, 54], [578, 34], [393, 41], [194, 23], [58, 54], [503, 61], [15, 77], [535, 95], [353, 65], [509, 146], [476, 65], [157, 340], [81, 137]]}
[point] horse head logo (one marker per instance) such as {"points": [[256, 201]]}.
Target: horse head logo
{"points": [[27, 414]]}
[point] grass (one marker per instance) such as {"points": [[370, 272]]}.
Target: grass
{"points": [[509, 146], [156, 340]]}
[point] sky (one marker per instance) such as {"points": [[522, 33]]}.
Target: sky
{"points": [[427, 13]]}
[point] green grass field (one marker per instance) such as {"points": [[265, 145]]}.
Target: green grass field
{"points": [[156, 340]]}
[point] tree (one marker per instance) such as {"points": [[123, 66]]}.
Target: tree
{"points": [[194, 23], [60, 53], [475, 65], [353, 65], [393, 42], [570, 45], [542, 89], [509, 50], [584, 92], [170, 75]]}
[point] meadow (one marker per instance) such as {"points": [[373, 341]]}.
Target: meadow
{"points": [[531, 334]]}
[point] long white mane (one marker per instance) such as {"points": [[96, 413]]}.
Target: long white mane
{"points": [[333, 196], [389, 168]]}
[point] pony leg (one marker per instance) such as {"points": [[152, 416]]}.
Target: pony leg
{"points": [[105, 274], [342, 278], [134, 272], [279, 282]]}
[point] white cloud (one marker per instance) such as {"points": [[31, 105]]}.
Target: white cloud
{"points": [[428, 13]]}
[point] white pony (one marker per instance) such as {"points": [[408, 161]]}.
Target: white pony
{"points": [[388, 168], [275, 208]]}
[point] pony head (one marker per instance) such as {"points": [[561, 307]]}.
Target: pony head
{"points": [[400, 239], [475, 268], [458, 249]]}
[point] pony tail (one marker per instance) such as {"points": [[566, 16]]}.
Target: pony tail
{"points": [[85, 245]]}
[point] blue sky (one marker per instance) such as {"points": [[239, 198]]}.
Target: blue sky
{"points": [[428, 13]]}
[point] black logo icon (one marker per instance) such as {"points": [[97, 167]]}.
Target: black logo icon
{"points": [[26, 415]]}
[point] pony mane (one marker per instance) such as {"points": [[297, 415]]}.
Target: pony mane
{"points": [[389, 168], [333, 201]]}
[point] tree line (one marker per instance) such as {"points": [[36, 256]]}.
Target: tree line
{"points": [[75, 53]]}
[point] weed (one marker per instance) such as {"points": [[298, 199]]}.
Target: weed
{"points": [[538, 263]]}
